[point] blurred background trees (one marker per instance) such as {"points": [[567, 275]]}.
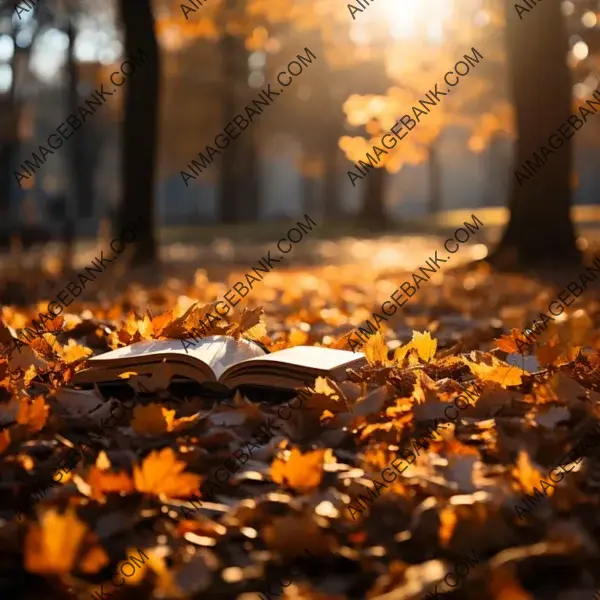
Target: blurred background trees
{"points": [[125, 163]]}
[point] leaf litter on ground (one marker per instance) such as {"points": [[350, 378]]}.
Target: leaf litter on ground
{"points": [[283, 514]]}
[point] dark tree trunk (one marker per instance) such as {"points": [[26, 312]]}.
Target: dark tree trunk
{"points": [[10, 108], [540, 231], [140, 130], [82, 179], [75, 192], [240, 171], [332, 205], [434, 200], [372, 213]]}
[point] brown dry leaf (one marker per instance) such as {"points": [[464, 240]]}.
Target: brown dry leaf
{"points": [[508, 343], [526, 474], [161, 322], [157, 381], [196, 319], [554, 353], [52, 546], [33, 414], [161, 473], [251, 324], [425, 345], [448, 520], [375, 350], [4, 440], [372, 403], [301, 472], [292, 535], [104, 482]]}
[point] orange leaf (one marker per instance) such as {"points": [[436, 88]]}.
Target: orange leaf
{"points": [[152, 419], [52, 546], [161, 473], [508, 343], [94, 560], [526, 474], [105, 482], [448, 522], [4, 440], [301, 472], [33, 414]]}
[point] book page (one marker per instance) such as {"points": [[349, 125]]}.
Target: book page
{"points": [[314, 357], [216, 351]]}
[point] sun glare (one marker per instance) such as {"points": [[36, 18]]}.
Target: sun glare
{"points": [[406, 19]]}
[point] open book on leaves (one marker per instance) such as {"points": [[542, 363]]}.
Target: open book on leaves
{"points": [[223, 360]]}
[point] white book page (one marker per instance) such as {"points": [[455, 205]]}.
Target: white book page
{"points": [[216, 351], [313, 357]]}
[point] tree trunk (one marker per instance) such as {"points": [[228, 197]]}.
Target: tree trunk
{"points": [[239, 193], [372, 213], [332, 205], [10, 108], [140, 130], [434, 200], [540, 231]]}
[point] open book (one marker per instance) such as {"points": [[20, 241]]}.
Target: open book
{"points": [[223, 360]]}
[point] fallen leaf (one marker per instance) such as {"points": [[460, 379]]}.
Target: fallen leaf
{"points": [[52, 546], [162, 474], [301, 472]]}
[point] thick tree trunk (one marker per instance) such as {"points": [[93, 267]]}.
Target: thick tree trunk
{"points": [[10, 108], [140, 130], [240, 170], [372, 213], [540, 231], [434, 200]]}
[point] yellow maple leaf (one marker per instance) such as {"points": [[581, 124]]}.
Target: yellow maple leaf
{"points": [[425, 345], [375, 350], [500, 372], [161, 473], [52, 546], [301, 472]]}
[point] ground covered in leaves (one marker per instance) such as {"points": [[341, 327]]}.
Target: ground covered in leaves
{"points": [[308, 508]]}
